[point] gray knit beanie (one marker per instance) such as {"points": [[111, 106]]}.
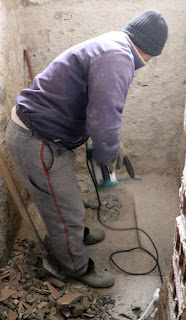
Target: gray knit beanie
{"points": [[148, 31]]}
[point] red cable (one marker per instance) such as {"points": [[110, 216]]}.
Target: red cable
{"points": [[56, 205]]}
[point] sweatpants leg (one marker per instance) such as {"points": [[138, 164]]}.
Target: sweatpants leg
{"points": [[53, 186]]}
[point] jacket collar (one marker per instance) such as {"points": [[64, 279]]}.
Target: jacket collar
{"points": [[138, 60]]}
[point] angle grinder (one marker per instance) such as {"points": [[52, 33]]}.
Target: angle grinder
{"points": [[102, 176]]}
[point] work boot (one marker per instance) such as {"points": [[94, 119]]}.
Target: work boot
{"points": [[95, 278], [93, 236]]}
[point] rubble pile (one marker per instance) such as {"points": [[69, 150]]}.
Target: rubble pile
{"points": [[110, 206], [28, 291]]}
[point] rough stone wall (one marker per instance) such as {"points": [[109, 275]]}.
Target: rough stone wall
{"points": [[11, 80], [172, 301], [153, 117]]}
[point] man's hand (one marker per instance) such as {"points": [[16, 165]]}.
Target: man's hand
{"points": [[118, 162], [122, 154], [121, 160], [112, 166]]}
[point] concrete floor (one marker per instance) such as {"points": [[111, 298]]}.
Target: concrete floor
{"points": [[157, 205]]}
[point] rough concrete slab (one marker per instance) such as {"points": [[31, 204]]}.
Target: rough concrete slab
{"points": [[157, 205]]}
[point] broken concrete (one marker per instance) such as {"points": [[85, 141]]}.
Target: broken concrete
{"points": [[25, 295]]}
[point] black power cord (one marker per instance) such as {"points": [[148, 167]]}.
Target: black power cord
{"points": [[156, 258]]}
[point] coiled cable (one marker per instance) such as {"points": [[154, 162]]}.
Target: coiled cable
{"points": [[140, 247]]}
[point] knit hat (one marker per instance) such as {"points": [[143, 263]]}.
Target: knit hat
{"points": [[148, 31]]}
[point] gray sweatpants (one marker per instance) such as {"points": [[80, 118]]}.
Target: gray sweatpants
{"points": [[53, 186]]}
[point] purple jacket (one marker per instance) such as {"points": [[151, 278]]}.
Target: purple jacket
{"points": [[82, 93]]}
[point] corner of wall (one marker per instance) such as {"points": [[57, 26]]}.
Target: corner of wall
{"points": [[11, 81]]}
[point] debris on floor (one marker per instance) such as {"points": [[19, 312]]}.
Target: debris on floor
{"points": [[111, 206], [28, 291]]}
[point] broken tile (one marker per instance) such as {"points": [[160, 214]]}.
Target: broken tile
{"points": [[26, 305], [69, 299], [21, 293], [78, 309], [16, 301], [17, 253], [42, 305], [77, 286], [55, 293], [93, 301], [10, 305], [18, 248], [28, 312], [51, 317], [29, 297], [15, 295], [41, 314], [88, 315], [53, 311], [21, 261], [40, 290], [21, 310], [18, 267], [59, 315], [12, 315], [56, 282], [8, 274], [86, 303], [23, 280], [51, 298], [6, 293], [18, 276], [3, 270], [27, 285], [27, 245], [33, 259], [66, 313]]}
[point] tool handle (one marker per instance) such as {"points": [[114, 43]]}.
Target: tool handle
{"points": [[26, 53], [129, 167]]}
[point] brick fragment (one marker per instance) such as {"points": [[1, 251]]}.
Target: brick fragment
{"points": [[12, 315], [6, 293], [78, 309], [55, 293], [69, 300]]}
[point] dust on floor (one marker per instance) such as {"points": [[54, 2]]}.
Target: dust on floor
{"points": [[155, 199]]}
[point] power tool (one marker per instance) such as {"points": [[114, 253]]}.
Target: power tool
{"points": [[102, 176]]}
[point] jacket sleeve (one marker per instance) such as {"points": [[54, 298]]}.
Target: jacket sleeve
{"points": [[110, 75]]}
